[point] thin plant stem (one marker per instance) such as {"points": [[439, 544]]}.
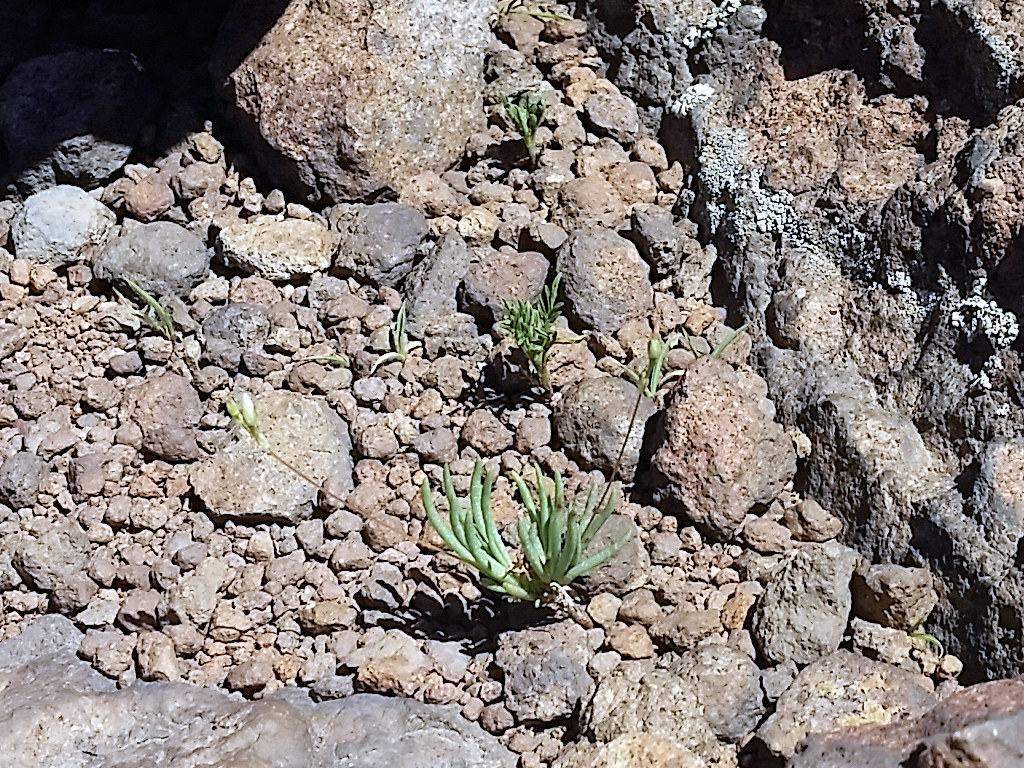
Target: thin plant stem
{"points": [[272, 452], [622, 450]]}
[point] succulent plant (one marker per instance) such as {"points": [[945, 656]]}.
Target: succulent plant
{"points": [[554, 534]]}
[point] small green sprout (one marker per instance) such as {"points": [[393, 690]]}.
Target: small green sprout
{"points": [[400, 344], [525, 113], [531, 324], [242, 411], [554, 536], [153, 313], [724, 343], [920, 634]]}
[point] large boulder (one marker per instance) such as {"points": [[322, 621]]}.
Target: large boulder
{"points": [[723, 452], [339, 100], [872, 240], [72, 117], [980, 724], [842, 691]]}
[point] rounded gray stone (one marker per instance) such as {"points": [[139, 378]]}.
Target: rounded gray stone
{"points": [[162, 258], [20, 476], [803, 611], [592, 419], [605, 280], [545, 670], [57, 225], [379, 242]]}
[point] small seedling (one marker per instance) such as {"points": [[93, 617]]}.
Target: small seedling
{"points": [[532, 327], [337, 360], [242, 411], [724, 343], [653, 376], [554, 536], [153, 313], [525, 113], [400, 344], [920, 634]]}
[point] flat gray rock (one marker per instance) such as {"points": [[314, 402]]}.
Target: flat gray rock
{"points": [[242, 482], [58, 712]]}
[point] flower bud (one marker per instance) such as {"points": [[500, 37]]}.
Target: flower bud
{"points": [[246, 409], [655, 348]]}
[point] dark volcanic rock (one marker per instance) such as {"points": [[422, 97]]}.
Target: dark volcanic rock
{"points": [[72, 117]]}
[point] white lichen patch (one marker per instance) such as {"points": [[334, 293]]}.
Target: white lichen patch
{"points": [[702, 28], [978, 315], [695, 96]]}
